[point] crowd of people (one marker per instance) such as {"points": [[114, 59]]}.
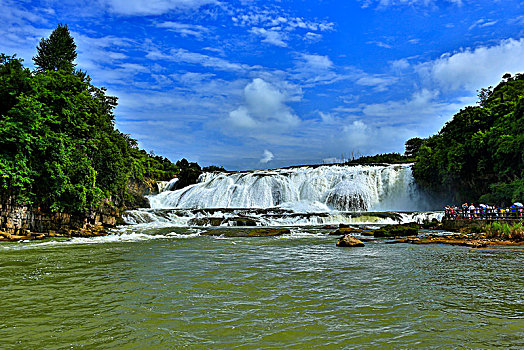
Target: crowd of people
{"points": [[483, 211]]}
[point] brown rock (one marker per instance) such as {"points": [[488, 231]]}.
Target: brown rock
{"points": [[349, 241]]}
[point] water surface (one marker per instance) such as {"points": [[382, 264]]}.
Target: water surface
{"points": [[154, 288]]}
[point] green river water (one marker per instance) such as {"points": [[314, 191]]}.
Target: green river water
{"points": [[161, 289]]}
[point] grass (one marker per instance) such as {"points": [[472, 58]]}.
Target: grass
{"points": [[514, 232]]}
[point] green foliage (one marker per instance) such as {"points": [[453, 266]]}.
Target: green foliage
{"points": [[478, 154], [56, 52], [59, 149], [213, 168], [497, 230], [385, 158], [413, 147], [188, 173], [389, 231]]}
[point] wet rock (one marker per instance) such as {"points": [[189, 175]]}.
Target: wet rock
{"points": [[345, 230], [342, 231], [247, 232], [205, 222], [241, 222], [349, 241], [390, 231]]}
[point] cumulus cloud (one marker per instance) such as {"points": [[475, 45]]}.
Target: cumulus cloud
{"points": [[267, 157], [264, 109], [473, 69], [152, 7]]}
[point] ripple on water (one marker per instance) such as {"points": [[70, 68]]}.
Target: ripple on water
{"points": [[300, 292]]}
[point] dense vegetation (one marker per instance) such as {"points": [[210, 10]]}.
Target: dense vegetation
{"points": [[59, 149], [479, 154], [385, 158]]}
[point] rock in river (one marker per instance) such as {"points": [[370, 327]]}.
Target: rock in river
{"points": [[246, 232], [349, 241]]}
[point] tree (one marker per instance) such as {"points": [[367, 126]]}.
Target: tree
{"points": [[413, 146], [57, 52], [478, 154]]}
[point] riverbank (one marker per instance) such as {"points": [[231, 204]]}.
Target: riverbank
{"points": [[37, 236], [478, 241], [22, 222], [471, 233]]}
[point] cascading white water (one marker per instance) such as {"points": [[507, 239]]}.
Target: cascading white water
{"points": [[302, 189]]}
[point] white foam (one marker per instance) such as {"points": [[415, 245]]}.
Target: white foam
{"points": [[303, 189]]}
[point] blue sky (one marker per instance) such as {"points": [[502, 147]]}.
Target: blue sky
{"points": [[263, 84]]}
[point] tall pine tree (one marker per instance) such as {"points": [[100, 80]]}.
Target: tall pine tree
{"points": [[57, 52]]}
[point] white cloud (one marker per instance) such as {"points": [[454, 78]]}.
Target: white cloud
{"points": [[317, 62], [400, 64], [185, 56], [380, 44], [264, 110], [272, 36], [312, 69], [419, 105], [184, 29], [357, 133], [473, 69], [312, 37], [379, 82], [267, 157], [277, 27], [152, 7], [386, 3], [481, 23]]}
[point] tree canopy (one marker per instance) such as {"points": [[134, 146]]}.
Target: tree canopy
{"points": [[59, 149], [478, 155], [56, 52]]}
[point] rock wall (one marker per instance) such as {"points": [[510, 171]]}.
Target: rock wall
{"points": [[21, 220]]}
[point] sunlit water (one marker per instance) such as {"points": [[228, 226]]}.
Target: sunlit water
{"points": [[169, 288]]}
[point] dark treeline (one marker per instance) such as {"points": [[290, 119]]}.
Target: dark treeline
{"points": [[59, 149], [386, 158], [479, 154]]}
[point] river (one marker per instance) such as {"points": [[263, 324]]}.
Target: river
{"points": [[169, 288]]}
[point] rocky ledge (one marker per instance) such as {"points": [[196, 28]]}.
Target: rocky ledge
{"points": [[34, 236], [246, 232]]}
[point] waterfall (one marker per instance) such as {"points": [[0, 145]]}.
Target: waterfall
{"points": [[302, 189]]}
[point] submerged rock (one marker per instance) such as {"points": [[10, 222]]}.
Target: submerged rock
{"points": [[349, 241]]}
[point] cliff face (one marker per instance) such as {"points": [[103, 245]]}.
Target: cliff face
{"points": [[18, 221]]}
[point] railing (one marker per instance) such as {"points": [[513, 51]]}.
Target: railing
{"points": [[509, 215]]}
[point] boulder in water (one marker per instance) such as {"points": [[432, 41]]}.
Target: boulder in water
{"points": [[349, 241]]}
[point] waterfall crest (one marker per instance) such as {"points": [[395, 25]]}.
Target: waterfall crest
{"points": [[302, 189]]}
